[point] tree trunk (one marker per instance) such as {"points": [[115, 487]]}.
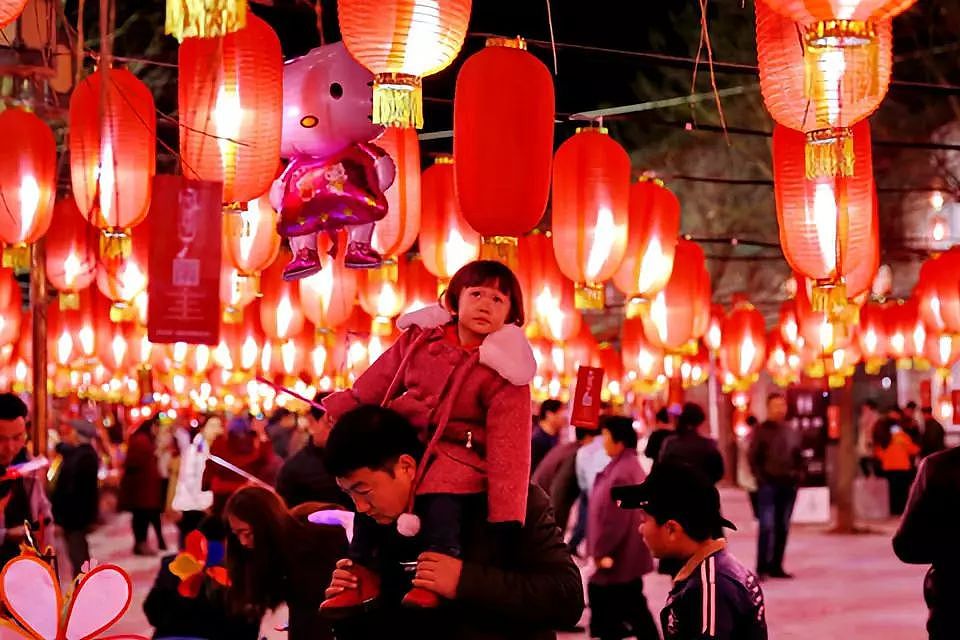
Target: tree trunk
{"points": [[846, 462]]}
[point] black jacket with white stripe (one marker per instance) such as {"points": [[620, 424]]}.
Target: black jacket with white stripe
{"points": [[714, 597]]}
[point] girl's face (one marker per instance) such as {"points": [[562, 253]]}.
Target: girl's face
{"points": [[482, 310], [242, 530]]}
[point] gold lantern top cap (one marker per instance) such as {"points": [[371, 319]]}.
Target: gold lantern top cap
{"points": [[443, 158], [510, 43]]}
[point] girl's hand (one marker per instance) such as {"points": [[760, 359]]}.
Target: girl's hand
{"points": [[342, 579]]}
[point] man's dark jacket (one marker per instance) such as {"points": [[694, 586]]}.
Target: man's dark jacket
{"points": [[515, 584], [694, 450], [304, 478], [929, 534], [75, 498], [775, 455]]}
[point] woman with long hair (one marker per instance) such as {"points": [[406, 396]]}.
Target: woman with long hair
{"points": [[275, 555]]}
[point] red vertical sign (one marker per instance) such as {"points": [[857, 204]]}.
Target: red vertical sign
{"points": [[184, 272], [833, 422], [586, 398], [955, 400], [926, 393]]}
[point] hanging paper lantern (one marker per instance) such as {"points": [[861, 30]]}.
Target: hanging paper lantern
{"points": [[250, 238], [743, 349], [11, 303], [397, 231], [783, 362], [231, 102], [447, 242], [673, 319], [280, 314], [236, 292], [591, 189], [788, 325], [872, 337], [548, 297], [71, 254], [810, 11], [654, 225], [942, 351], [10, 10], [420, 285], [503, 121], [194, 19], [642, 360], [401, 42], [113, 139], [382, 297], [27, 183], [123, 279], [327, 297], [713, 336], [828, 226], [938, 292]]}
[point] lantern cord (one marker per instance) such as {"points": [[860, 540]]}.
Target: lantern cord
{"points": [[318, 7], [706, 43], [553, 39]]}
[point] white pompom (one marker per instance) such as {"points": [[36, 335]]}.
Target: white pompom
{"points": [[408, 525]]}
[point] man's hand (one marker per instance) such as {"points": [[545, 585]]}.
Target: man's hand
{"points": [[438, 573], [605, 562], [342, 579]]}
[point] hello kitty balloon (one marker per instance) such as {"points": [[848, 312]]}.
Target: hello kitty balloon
{"points": [[336, 177]]}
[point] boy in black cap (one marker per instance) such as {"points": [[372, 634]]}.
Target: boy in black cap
{"points": [[714, 596]]}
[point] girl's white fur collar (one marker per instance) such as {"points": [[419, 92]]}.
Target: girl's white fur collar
{"points": [[506, 350]]}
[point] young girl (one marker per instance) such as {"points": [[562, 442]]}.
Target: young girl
{"points": [[461, 374]]}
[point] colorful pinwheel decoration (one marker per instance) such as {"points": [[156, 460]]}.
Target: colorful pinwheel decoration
{"points": [[200, 558]]}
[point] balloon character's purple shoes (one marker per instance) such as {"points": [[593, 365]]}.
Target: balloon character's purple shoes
{"points": [[304, 264], [360, 255]]}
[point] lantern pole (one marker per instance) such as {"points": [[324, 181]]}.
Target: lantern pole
{"points": [[38, 305]]}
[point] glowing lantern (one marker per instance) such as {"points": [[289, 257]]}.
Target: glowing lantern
{"points": [[694, 369], [421, 286], [942, 351], [808, 11], [938, 292], [27, 182], [280, 313], [251, 241], [187, 19], [788, 325], [400, 42], [113, 346], [11, 302], [10, 10], [828, 225], [71, 255], [113, 139], [236, 292], [872, 336], [231, 105], [783, 362], [546, 293], [123, 279], [397, 231], [642, 361], [327, 297], [713, 337], [743, 350], [824, 82], [503, 113], [654, 227], [673, 319], [591, 191], [382, 297], [447, 242]]}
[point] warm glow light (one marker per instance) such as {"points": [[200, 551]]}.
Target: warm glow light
{"points": [[825, 219], [248, 353], [375, 348], [86, 339], [870, 340], [899, 342], [387, 299], [201, 358], [945, 346], [29, 203], [284, 316], [356, 353], [658, 316], [748, 352], [420, 53], [72, 268], [939, 228], [227, 119], [458, 251], [288, 357], [826, 335], [180, 352], [604, 237], [558, 359], [653, 265], [318, 359], [118, 349], [64, 348], [936, 201], [646, 362]]}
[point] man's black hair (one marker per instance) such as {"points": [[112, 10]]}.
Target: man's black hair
{"points": [[12, 407], [912, 405], [871, 403], [549, 406], [370, 436], [663, 416], [621, 430], [316, 412], [690, 418], [582, 434], [927, 411]]}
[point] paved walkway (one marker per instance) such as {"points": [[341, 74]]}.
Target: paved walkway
{"points": [[846, 587]]}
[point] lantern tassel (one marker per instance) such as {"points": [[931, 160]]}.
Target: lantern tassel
{"points": [[115, 244], [381, 326], [17, 257], [388, 271], [232, 315], [829, 153], [589, 295], [205, 19], [829, 298], [637, 307], [500, 248], [122, 312], [398, 101], [69, 300]]}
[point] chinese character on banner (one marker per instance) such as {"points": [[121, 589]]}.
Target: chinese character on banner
{"points": [[184, 271], [833, 422], [586, 398]]}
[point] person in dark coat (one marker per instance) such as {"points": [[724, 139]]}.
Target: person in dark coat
{"points": [[777, 463], [933, 439], [618, 606], [662, 430], [688, 447], [557, 475], [928, 534], [546, 432], [141, 487], [511, 581], [76, 495], [276, 555], [304, 476]]}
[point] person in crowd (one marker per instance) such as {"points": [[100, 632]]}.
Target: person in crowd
{"points": [[22, 499], [546, 432], [713, 596], [934, 438], [866, 424], [745, 478], [910, 422], [509, 582], [777, 464], [662, 429], [618, 606], [204, 616], [75, 496], [141, 487], [187, 472], [304, 476], [591, 459], [245, 445], [928, 534], [461, 374], [896, 456], [276, 555], [557, 475], [280, 430], [688, 446]]}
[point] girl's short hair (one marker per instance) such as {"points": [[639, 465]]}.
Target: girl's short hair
{"points": [[487, 273]]}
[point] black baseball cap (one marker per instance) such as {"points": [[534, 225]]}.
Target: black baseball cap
{"points": [[676, 492]]}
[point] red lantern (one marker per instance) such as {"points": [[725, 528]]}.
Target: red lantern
{"points": [[938, 292], [280, 315], [674, 317], [447, 242], [231, 102], [71, 256], [713, 337], [743, 351], [654, 227], [10, 10], [328, 296], [591, 191], [397, 231], [503, 113], [123, 279], [642, 361], [828, 225], [236, 292], [11, 302], [113, 153], [872, 336], [420, 285], [783, 362], [942, 351], [250, 238], [27, 182], [383, 297], [400, 42], [806, 11], [547, 295]]}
